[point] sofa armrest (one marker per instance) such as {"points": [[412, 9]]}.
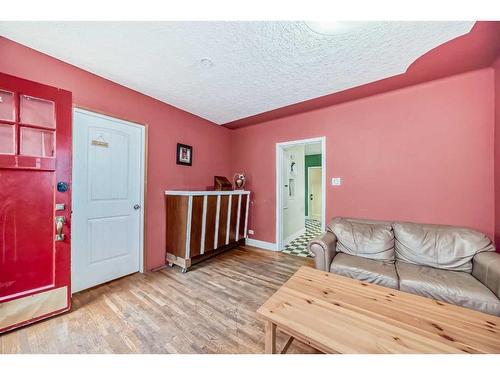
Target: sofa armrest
{"points": [[486, 268], [323, 248]]}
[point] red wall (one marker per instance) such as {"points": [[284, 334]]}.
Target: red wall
{"points": [[496, 67], [167, 125], [423, 153]]}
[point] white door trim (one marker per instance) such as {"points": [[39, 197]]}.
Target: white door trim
{"points": [[279, 183], [142, 129], [309, 189]]}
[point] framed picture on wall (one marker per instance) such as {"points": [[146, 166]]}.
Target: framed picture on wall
{"points": [[184, 154]]}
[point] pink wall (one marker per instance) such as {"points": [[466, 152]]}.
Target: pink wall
{"points": [[496, 67], [167, 125], [423, 153]]}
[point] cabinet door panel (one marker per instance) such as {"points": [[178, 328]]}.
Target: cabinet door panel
{"points": [[224, 204], [210, 223], [234, 216], [176, 211], [243, 211], [196, 226]]}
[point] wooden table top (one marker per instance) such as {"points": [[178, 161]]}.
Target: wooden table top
{"points": [[336, 314]]}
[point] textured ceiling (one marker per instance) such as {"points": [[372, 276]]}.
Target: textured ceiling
{"points": [[252, 67]]}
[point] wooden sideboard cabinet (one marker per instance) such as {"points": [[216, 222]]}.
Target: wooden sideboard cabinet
{"points": [[204, 223]]}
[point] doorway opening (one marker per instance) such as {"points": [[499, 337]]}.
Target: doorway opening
{"points": [[300, 193]]}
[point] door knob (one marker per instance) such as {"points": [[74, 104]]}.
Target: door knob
{"points": [[59, 228], [137, 206]]}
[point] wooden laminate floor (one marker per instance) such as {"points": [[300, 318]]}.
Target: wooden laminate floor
{"points": [[210, 309]]}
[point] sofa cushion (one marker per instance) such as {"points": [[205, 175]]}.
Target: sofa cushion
{"points": [[455, 287], [364, 239], [373, 271], [439, 246]]}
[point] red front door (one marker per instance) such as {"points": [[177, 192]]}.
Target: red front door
{"points": [[35, 201]]}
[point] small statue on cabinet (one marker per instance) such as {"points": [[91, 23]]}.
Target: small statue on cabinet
{"points": [[239, 181]]}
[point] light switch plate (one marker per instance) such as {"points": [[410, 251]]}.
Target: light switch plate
{"points": [[250, 231], [336, 181]]}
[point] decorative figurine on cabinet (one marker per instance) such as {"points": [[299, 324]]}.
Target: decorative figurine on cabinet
{"points": [[239, 181]]}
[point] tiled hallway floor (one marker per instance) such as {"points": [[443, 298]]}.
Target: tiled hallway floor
{"points": [[298, 246]]}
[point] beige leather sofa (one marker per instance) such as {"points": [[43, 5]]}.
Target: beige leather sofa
{"points": [[451, 264]]}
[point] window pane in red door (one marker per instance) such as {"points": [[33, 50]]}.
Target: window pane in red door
{"points": [[6, 106], [37, 111], [37, 142], [7, 140]]}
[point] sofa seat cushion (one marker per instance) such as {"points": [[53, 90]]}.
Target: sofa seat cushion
{"points": [[439, 246], [373, 271], [364, 239], [455, 287]]}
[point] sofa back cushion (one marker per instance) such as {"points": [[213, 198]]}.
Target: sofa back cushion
{"points": [[364, 238], [439, 246]]}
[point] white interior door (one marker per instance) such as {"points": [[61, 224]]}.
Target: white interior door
{"points": [[108, 181], [315, 194]]}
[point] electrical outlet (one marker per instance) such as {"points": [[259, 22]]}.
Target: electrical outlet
{"points": [[250, 231]]}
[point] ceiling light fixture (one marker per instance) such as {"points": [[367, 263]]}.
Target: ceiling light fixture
{"points": [[333, 27]]}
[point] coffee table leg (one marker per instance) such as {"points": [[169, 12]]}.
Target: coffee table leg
{"points": [[270, 339]]}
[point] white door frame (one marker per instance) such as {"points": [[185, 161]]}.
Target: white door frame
{"points": [[142, 129], [309, 189], [279, 183]]}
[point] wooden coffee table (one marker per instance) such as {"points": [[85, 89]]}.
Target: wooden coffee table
{"points": [[336, 314]]}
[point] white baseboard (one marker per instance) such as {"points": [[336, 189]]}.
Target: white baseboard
{"points": [[294, 236], [261, 244]]}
